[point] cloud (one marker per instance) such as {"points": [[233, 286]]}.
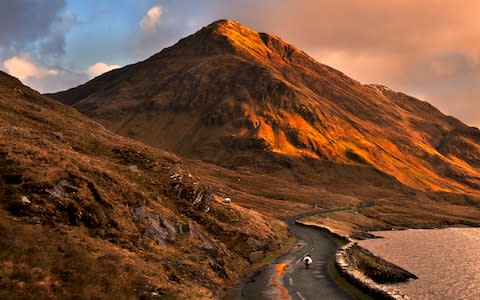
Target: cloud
{"points": [[23, 69], [150, 37], [100, 68], [51, 79], [33, 26], [151, 20], [53, 44], [32, 42], [40, 78]]}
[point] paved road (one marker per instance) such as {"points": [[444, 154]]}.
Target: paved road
{"points": [[287, 278]]}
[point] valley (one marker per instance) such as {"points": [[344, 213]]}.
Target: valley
{"points": [[116, 188]]}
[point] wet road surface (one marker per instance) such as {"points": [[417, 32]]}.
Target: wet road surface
{"points": [[287, 277]]}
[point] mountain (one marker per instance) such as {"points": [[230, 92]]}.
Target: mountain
{"points": [[85, 213], [236, 97]]}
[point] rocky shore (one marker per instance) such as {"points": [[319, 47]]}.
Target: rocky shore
{"points": [[367, 275], [366, 271]]}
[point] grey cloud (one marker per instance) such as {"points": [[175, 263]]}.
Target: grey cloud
{"points": [[54, 43], [27, 25], [36, 29]]}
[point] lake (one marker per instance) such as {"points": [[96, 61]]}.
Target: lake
{"points": [[446, 261]]}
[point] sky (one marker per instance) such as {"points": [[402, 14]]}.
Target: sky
{"points": [[429, 49]]}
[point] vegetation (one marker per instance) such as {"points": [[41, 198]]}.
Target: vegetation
{"points": [[377, 268], [87, 214], [344, 284], [39, 263]]}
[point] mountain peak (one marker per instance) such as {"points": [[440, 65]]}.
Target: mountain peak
{"points": [[229, 89], [227, 24], [233, 30], [231, 37], [242, 39]]}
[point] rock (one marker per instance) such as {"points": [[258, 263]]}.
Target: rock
{"points": [[358, 278], [158, 228], [24, 200], [133, 168], [36, 108], [176, 176], [255, 257], [254, 243], [227, 200], [58, 135], [198, 198], [62, 188], [19, 91], [184, 228]]}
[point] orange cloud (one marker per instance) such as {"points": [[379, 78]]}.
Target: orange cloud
{"points": [[152, 18], [23, 69]]}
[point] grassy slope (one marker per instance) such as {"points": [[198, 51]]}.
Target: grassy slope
{"points": [[86, 213]]}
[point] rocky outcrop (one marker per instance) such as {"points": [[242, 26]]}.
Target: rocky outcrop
{"points": [[349, 270], [256, 256]]}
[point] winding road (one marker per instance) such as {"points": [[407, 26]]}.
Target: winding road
{"points": [[287, 278]]}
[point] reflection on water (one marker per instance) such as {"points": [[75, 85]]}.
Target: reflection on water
{"points": [[446, 261]]}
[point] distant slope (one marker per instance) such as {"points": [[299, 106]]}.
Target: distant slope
{"points": [[85, 213], [232, 96]]}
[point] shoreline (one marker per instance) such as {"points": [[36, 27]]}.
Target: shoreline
{"points": [[443, 258], [353, 275]]}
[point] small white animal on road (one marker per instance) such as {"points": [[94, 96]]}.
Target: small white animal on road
{"points": [[307, 260]]}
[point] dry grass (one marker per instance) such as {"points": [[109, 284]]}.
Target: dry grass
{"points": [[376, 268], [264, 120], [88, 214], [400, 212], [38, 262]]}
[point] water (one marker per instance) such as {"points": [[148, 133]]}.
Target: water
{"points": [[446, 261]]}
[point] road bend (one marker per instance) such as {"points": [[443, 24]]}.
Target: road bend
{"points": [[287, 277]]}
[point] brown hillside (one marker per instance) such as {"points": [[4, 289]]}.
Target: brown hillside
{"points": [[87, 214], [235, 97]]}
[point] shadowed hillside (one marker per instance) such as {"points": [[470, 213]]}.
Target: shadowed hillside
{"points": [[85, 213], [235, 97]]}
